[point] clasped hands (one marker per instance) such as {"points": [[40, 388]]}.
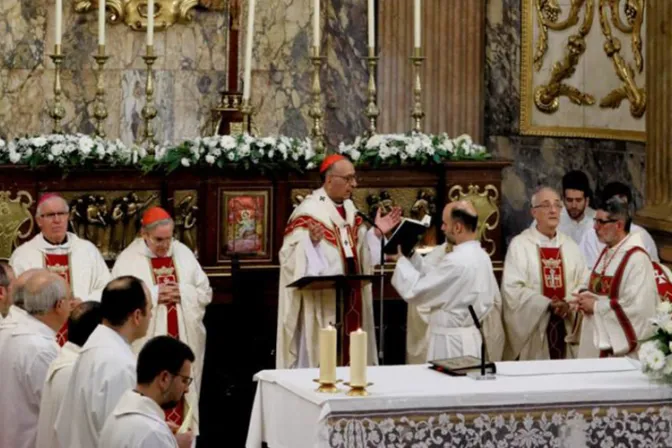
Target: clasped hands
{"points": [[384, 223], [584, 301], [169, 293]]}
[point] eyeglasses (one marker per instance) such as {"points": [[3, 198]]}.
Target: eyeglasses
{"points": [[603, 221], [52, 216], [186, 379], [348, 179], [160, 241], [549, 205]]}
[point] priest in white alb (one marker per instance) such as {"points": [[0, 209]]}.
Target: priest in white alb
{"points": [[620, 295], [543, 267], [6, 279], [180, 293], [326, 236], [448, 285], [78, 261]]}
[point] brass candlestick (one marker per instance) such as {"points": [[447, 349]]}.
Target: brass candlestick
{"points": [[327, 387], [246, 110], [149, 111], [417, 113], [99, 108], [372, 110], [316, 112], [57, 112], [357, 391]]}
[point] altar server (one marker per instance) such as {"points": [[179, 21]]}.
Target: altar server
{"points": [[78, 261], [576, 218], [449, 284], [27, 349], [326, 236], [138, 420], [620, 295], [543, 267], [82, 322], [180, 292], [105, 368]]}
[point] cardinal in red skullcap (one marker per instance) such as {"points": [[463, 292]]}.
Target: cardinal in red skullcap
{"points": [[179, 289], [326, 235]]}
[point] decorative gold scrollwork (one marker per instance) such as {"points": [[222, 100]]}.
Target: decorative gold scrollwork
{"points": [[546, 96], [13, 214], [548, 12], [485, 203], [634, 10], [134, 12], [186, 217]]}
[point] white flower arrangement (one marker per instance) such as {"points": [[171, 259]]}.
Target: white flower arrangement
{"points": [[655, 354], [412, 148]]}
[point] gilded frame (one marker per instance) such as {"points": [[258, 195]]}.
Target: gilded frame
{"points": [[255, 200]]}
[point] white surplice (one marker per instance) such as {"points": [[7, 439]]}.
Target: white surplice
{"points": [[576, 229], [136, 422], [301, 313], [195, 296], [636, 303], [58, 377], [461, 278], [104, 370], [591, 247], [88, 270], [526, 310], [26, 350]]}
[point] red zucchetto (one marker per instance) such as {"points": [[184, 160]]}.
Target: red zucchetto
{"points": [[153, 215], [330, 160]]}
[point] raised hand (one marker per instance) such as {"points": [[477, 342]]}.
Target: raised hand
{"points": [[185, 440], [390, 221], [316, 233]]}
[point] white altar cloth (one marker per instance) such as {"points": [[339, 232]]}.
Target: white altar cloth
{"points": [[289, 413]]}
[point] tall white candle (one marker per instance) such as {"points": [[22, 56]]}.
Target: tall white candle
{"points": [[358, 358], [59, 20], [372, 25], [328, 355], [316, 24], [101, 22], [249, 38], [150, 23], [417, 37]]}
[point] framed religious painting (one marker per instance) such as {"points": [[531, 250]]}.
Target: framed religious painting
{"points": [[245, 227]]}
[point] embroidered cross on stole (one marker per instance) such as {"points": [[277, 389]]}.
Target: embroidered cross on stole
{"points": [[164, 271], [663, 283], [553, 287], [60, 265]]}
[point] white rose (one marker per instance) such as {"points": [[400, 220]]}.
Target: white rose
{"points": [[85, 145], [270, 153], [14, 157], [50, 157], [310, 166], [38, 141], [656, 360], [227, 142], [2, 143], [210, 159], [667, 370], [355, 155], [185, 161], [57, 149], [231, 156]]}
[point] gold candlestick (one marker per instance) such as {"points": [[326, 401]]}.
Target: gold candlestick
{"points": [[316, 112], [372, 110], [417, 113], [327, 388], [99, 109], [57, 111], [149, 111], [246, 110]]}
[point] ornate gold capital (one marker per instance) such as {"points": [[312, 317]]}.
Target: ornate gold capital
{"points": [[134, 12], [13, 214]]}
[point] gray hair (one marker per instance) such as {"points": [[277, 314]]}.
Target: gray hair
{"points": [[535, 196], [38, 212], [159, 223], [43, 291], [619, 209]]}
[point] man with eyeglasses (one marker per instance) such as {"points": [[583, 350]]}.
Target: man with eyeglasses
{"points": [[541, 270], [77, 260], [620, 295], [138, 420], [180, 292]]}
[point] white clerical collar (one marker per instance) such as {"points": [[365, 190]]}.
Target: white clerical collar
{"points": [[543, 240], [64, 245], [149, 254]]}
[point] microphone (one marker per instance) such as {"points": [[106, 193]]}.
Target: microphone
{"points": [[480, 330]]}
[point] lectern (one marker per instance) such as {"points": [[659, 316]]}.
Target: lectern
{"points": [[343, 284]]}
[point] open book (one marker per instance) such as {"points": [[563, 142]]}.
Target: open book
{"points": [[407, 234]]}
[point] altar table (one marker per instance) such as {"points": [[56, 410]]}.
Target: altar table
{"points": [[572, 403]]}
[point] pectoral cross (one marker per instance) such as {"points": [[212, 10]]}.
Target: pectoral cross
{"points": [[552, 280]]}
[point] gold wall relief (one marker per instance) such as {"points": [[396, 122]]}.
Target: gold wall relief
{"points": [[186, 217], [485, 203], [548, 13], [14, 213]]}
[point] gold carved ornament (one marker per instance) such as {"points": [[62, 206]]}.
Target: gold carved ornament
{"points": [[13, 214], [485, 203]]}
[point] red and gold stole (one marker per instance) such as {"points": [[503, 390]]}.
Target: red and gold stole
{"points": [[60, 265], [663, 283], [164, 271], [553, 287]]}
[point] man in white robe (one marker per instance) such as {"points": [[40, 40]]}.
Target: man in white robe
{"points": [[138, 420], [591, 246], [105, 368], [543, 267], [6, 280], [576, 218], [620, 296], [326, 236], [27, 349], [78, 261], [180, 292], [461, 278], [82, 322]]}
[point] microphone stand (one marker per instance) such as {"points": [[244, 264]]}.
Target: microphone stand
{"points": [[480, 330]]}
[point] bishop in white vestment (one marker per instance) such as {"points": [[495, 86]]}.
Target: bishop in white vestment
{"points": [[326, 236], [543, 267], [180, 292]]}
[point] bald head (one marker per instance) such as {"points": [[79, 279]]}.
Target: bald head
{"points": [[460, 222], [43, 290], [18, 289]]}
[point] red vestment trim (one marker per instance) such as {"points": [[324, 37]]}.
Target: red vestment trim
{"points": [[663, 283], [305, 221], [553, 287], [60, 265]]}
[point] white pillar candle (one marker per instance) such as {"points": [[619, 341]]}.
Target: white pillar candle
{"points": [[358, 343], [249, 38], [372, 25], [59, 20], [150, 23], [101, 22], [328, 355], [316, 24], [417, 37]]}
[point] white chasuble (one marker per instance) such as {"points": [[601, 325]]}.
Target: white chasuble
{"points": [[538, 270], [183, 320], [347, 247]]}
